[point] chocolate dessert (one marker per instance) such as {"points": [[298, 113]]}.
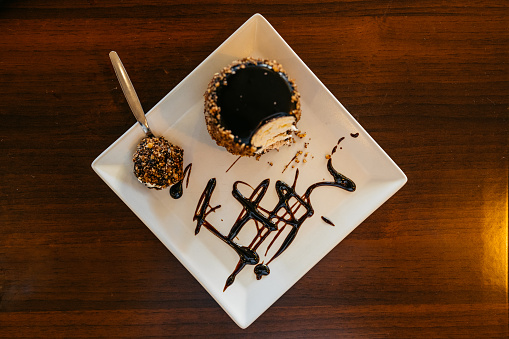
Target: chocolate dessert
{"points": [[251, 107], [158, 163]]}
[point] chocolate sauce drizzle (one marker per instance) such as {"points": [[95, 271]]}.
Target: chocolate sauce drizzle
{"points": [[288, 164], [233, 163], [176, 190], [327, 221], [267, 222]]}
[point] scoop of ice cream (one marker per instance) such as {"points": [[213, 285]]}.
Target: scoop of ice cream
{"points": [[158, 163]]}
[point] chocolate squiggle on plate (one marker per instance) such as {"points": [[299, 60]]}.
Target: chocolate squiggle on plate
{"points": [[267, 222]]}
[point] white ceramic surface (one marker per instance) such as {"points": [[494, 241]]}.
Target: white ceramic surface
{"points": [[179, 117]]}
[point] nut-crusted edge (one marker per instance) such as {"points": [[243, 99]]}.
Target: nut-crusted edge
{"points": [[158, 163], [218, 132]]}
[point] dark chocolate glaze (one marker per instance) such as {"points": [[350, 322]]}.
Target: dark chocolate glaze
{"points": [[176, 190], [284, 214], [252, 96], [354, 135]]}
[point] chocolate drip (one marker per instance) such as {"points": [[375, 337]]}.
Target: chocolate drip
{"points": [[176, 190], [340, 181], [327, 221], [288, 164], [260, 270], [354, 135], [233, 163], [267, 221]]}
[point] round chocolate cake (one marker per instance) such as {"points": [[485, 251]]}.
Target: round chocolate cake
{"points": [[251, 107]]}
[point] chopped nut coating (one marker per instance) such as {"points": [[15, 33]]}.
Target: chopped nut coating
{"points": [[158, 163]]}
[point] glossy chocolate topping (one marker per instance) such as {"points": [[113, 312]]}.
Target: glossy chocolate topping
{"points": [[252, 95]]}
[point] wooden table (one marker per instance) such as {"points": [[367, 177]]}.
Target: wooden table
{"points": [[427, 79]]}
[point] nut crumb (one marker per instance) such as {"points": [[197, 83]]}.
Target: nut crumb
{"points": [[327, 156], [301, 134]]}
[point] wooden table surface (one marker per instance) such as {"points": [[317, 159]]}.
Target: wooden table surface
{"points": [[427, 79]]}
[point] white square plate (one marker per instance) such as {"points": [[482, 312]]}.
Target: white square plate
{"points": [[179, 118]]}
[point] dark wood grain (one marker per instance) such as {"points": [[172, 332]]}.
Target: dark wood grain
{"points": [[427, 79]]}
